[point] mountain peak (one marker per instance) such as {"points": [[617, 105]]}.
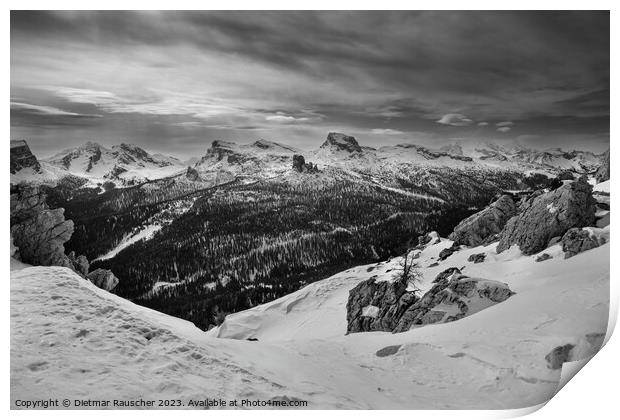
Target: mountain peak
{"points": [[341, 141], [22, 157]]}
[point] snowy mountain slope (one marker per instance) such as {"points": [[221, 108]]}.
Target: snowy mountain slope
{"points": [[123, 162], [68, 337]]}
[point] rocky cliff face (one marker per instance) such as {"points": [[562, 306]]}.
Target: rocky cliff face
{"points": [[341, 141], [547, 215], [22, 157], [38, 231], [483, 227], [38, 234]]}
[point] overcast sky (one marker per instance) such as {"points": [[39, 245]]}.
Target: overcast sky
{"points": [[174, 81]]}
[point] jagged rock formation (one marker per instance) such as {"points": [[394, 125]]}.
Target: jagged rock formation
{"points": [[341, 141], [80, 263], [22, 157], [38, 234], [483, 227], [192, 174], [38, 231], [602, 174], [576, 241], [546, 215], [104, 279], [387, 306], [453, 298], [377, 306], [300, 165]]}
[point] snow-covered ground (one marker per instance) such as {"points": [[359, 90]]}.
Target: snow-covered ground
{"points": [[144, 234], [70, 338]]}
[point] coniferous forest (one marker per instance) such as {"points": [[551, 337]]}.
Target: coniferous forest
{"points": [[228, 246]]}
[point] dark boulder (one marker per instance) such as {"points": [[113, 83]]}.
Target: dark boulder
{"points": [[104, 279], [477, 258], [377, 306], [546, 215], [446, 252], [451, 299], [558, 356], [576, 241], [543, 257]]}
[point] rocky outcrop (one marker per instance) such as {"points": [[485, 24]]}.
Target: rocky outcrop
{"points": [[300, 165], [104, 279], [576, 241], [543, 216], [445, 274], [192, 174], [388, 306], [602, 174], [446, 252], [482, 228], [430, 238], [377, 306], [566, 176], [38, 231], [341, 141], [22, 157], [80, 263], [558, 356], [453, 298], [477, 258], [543, 257]]}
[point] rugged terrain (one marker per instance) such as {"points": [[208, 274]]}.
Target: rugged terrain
{"points": [[248, 223]]}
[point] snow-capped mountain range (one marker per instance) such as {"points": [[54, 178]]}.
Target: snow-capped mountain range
{"points": [[119, 162], [127, 164]]}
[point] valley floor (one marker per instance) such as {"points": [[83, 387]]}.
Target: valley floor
{"points": [[70, 339]]}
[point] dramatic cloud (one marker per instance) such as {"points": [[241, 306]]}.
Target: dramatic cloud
{"points": [[457, 120], [174, 81]]}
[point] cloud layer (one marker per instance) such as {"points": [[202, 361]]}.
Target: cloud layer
{"points": [[174, 81]]}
